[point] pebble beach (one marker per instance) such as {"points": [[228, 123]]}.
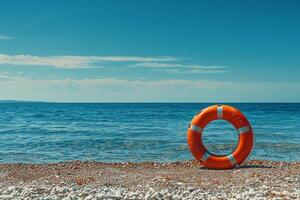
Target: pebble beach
{"points": [[149, 180]]}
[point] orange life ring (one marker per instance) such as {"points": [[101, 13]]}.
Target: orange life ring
{"points": [[233, 116]]}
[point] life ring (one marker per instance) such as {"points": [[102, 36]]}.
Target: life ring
{"points": [[233, 116]]}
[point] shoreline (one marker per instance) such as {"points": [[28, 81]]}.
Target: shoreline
{"points": [[149, 180], [244, 164]]}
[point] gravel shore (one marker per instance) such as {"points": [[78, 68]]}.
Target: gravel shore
{"points": [[179, 180]]}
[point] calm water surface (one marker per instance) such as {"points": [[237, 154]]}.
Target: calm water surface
{"points": [[51, 132]]}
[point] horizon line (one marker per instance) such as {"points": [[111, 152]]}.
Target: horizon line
{"points": [[140, 102]]}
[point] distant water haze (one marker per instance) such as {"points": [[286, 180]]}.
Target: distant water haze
{"points": [[119, 132]]}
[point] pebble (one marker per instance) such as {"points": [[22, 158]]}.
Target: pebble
{"points": [[5, 196], [180, 191]]}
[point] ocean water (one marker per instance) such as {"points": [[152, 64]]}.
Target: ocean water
{"points": [[112, 132]]}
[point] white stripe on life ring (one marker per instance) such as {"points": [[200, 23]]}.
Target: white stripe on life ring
{"points": [[196, 128], [205, 156], [220, 112], [232, 159], [244, 129]]}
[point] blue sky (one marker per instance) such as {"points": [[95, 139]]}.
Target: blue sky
{"points": [[150, 51]]}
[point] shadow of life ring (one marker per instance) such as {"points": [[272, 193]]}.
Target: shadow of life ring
{"points": [[245, 133]]}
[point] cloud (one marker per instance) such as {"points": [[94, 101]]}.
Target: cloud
{"points": [[177, 68], [5, 37], [8, 76], [125, 90], [71, 62], [162, 64], [175, 65], [193, 71], [165, 64]]}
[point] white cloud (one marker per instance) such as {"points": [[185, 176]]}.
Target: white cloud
{"points": [[75, 61], [175, 65], [162, 64], [123, 90], [177, 68], [9, 76], [192, 71], [5, 37]]}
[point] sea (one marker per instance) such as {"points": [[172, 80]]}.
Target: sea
{"points": [[137, 132]]}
